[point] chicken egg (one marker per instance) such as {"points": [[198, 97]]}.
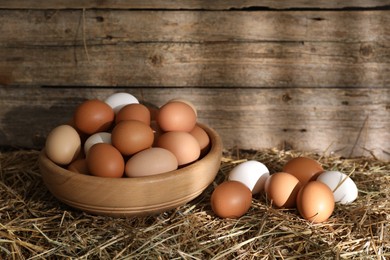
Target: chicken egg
{"points": [[203, 138], [151, 161], [79, 166], [186, 102], [282, 189], [93, 116], [304, 168], [315, 202], [63, 144], [104, 160], [231, 199], [343, 187], [133, 112], [176, 116], [251, 173], [182, 144], [118, 100], [132, 136], [101, 137]]}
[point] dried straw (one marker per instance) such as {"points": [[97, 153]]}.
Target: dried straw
{"points": [[34, 225]]}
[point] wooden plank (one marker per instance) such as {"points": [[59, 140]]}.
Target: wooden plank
{"points": [[110, 27], [251, 49], [189, 4], [341, 121], [315, 64]]}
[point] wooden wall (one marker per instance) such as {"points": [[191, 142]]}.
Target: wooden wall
{"points": [[286, 74]]}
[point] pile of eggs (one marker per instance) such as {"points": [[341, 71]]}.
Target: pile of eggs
{"points": [[302, 184], [120, 137]]}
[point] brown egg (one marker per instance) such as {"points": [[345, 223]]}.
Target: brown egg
{"points": [[305, 169], [63, 144], [151, 161], [79, 166], [231, 199], [202, 137], [131, 136], [93, 116], [182, 144], [185, 101], [315, 201], [282, 189], [133, 112], [104, 160], [176, 116]]}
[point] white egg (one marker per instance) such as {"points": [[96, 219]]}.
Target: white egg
{"points": [[119, 100], [346, 191], [101, 137], [251, 173]]}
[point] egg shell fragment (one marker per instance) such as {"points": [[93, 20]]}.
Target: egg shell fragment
{"points": [[315, 202], [251, 173], [151, 161], [346, 191], [63, 144], [231, 199]]}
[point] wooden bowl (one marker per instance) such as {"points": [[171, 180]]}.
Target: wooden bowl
{"points": [[133, 196]]}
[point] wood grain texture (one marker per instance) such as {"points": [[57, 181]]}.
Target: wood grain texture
{"points": [[312, 75], [190, 4], [182, 49], [65, 27], [343, 121], [199, 65]]}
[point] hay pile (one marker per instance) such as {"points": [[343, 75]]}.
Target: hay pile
{"points": [[34, 225]]}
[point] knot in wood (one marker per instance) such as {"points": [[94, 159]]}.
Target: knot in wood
{"points": [[156, 60], [286, 97], [99, 19], [366, 49], [5, 80]]}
